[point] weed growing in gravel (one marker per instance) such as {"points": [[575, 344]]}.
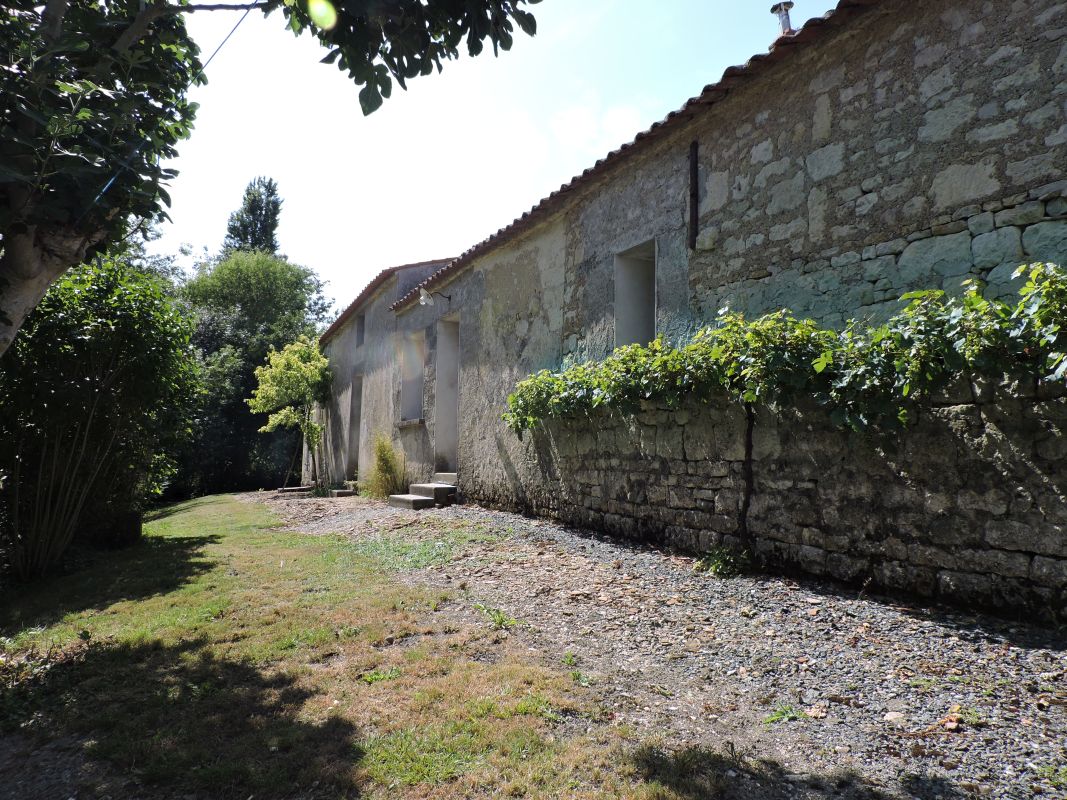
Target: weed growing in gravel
{"points": [[570, 659], [397, 553], [923, 684], [784, 713], [724, 562], [377, 675], [970, 717], [1055, 776], [580, 678], [498, 619]]}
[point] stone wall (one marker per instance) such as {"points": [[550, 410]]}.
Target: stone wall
{"points": [[917, 146], [969, 505], [914, 147], [370, 367]]}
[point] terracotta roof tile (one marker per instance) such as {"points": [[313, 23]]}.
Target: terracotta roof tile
{"points": [[369, 289]]}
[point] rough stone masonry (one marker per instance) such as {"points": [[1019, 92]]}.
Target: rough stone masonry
{"points": [[894, 146], [968, 506]]}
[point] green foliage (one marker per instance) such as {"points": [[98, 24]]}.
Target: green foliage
{"points": [[254, 226], [293, 381], [94, 395], [82, 113], [379, 675], [498, 619], [96, 100], [387, 474], [784, 713], [246, 305], [377, 43], [725, 562], [863, 376]]}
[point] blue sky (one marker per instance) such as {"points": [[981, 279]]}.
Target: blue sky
{"points": [[460, 154]]}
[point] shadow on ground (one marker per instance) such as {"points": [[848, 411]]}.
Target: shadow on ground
{"points": [[179, 720], [698, 773], [153, 566], [983, 626]]}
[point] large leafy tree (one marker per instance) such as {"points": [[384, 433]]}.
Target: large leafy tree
{"points": [[247, 304], [254, 226], [95, 99]]}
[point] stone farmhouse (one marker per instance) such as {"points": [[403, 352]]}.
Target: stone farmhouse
{"points": [[885, 147]]}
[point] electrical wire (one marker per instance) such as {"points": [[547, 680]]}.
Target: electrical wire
{"points": [[125, 165]]}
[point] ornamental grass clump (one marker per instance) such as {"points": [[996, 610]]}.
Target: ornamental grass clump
{"points": [[387, 475], [864, 376]]}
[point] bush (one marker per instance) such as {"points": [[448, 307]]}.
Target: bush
{"points": [[388, 474], [863, 376], [94, 393]]}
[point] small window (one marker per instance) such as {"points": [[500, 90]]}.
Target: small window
{"points": [[413, 362], [635, 295], [361, 329]]}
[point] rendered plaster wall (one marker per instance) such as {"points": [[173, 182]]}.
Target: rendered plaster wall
{"points": [[509, 312], [369, 367], [970, 505]]}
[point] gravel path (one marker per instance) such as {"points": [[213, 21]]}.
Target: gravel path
{"points": [[918, 701]]}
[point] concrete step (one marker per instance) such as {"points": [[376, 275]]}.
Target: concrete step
{"points": [[445, 477], [342, 493], [415, 502], [443, 494]]}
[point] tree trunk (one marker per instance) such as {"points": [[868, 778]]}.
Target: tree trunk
{"points": [[31, 262]]}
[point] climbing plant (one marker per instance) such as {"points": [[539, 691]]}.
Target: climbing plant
{"points": [[864, 376]]}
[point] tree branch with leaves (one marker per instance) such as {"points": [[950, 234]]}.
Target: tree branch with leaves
{"points": [[95, 101]]}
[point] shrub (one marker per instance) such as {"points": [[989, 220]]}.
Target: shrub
{"points": [[387, 475], [94, 393], [863, 376], [724, 562]]}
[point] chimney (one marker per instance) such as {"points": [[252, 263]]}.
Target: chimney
{"points": [[782, 11]]}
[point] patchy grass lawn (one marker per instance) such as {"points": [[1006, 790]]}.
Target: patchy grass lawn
{"points": [[224, 657]]}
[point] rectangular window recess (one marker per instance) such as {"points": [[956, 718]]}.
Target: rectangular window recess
{"points": [[361, 329], [635, 295]]}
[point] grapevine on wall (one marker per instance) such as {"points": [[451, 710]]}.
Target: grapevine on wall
{"points": [[864, 376]]}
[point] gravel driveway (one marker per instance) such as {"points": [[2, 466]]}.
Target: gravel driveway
{"points": [[913, 700]]}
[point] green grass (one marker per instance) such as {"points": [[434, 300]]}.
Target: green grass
{"points": [[225, 657], [431, 756], [402, 552]]}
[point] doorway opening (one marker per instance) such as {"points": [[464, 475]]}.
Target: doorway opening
{"points": [[446, 407]]}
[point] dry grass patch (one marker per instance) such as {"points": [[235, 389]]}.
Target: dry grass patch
{"points": [[226, 657]]}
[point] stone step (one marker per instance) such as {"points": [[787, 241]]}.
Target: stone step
{"points": [[342, 492], [443, 494], [415, 502], [445, 477]]}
